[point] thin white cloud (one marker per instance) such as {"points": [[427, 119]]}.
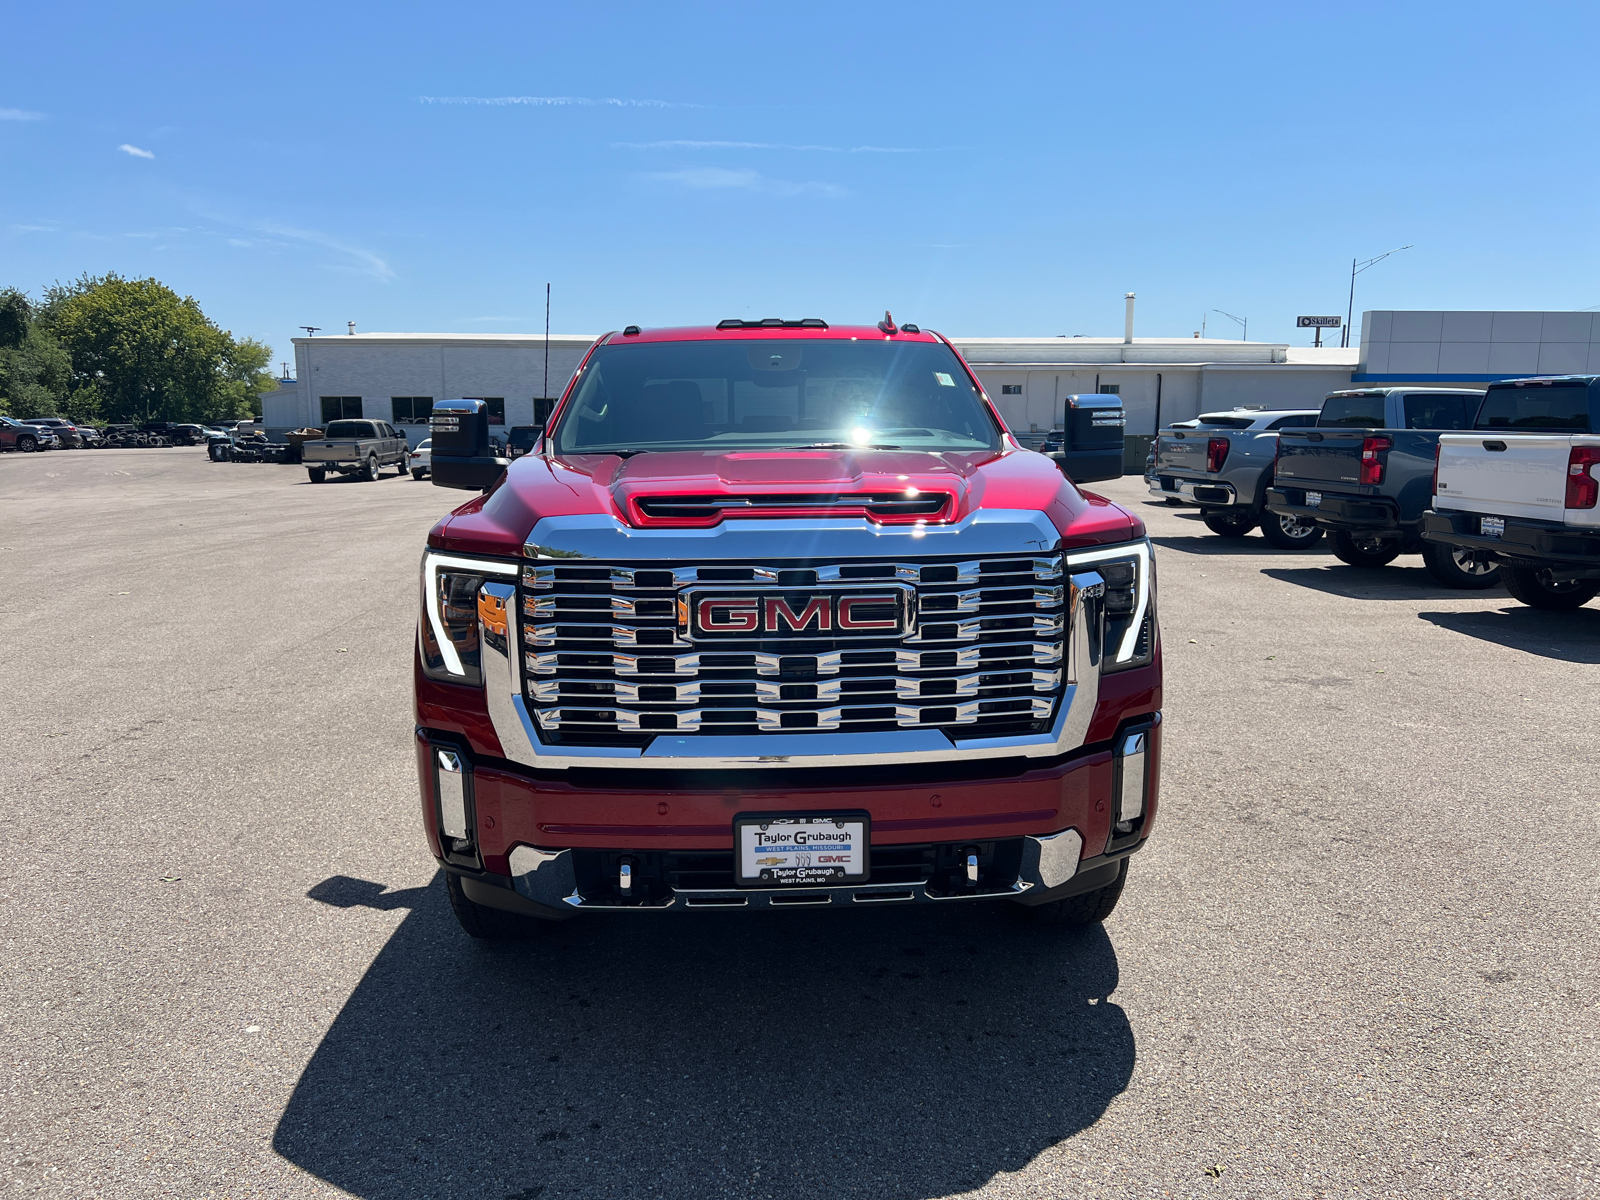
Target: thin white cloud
{"points": [[238, 242], [135, 151], [19, 114], [33, 228], [552, 102], [364, 261], [689, 144], [723, 179], [490, 320]]}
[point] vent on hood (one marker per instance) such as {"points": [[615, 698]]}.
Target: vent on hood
{"points": [[905, 505]]}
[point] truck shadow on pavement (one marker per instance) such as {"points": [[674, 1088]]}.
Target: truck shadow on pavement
{"points": [[905, 1054], [1382, 583], [1567, 636], [1212, 544]]}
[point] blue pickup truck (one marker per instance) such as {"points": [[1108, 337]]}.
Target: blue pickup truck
{"points": [[1365, 474]]}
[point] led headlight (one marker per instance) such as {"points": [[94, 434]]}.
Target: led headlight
{"points": [[448, 631], [1129, 607]]}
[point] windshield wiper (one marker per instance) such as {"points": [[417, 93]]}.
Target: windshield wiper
{"points": [[843, 446]]}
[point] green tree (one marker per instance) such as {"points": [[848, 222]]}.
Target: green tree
{"points": [[245, 377], [35, 372], [144, 351]]}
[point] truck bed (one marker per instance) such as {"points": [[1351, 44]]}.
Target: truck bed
{"points": [[1511, 475]]}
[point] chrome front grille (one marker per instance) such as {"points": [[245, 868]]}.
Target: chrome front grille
{"points": [[609, 656]]}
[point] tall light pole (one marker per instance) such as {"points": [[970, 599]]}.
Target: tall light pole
{"points": [[1244, 321], [1356, 269]]}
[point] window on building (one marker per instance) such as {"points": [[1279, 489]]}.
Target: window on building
{"points": [[542, 407], [495, 406], [1011, 389], [340, 408], [412, 410], [1110, 389]]}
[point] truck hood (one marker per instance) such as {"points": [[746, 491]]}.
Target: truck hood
{"points": [[697, 489]]}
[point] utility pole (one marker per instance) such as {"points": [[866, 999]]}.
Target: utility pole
{"points": [[1244, 321], [1356, 269]]}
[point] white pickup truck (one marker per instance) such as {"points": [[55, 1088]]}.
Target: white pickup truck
{"points": [[1523, 488]]}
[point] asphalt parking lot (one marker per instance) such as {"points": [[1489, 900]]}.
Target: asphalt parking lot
{"points": [[1357, 959]]}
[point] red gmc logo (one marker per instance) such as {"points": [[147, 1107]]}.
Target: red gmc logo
{"points": [[810, 614]]}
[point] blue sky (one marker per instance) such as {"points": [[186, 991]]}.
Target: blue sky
{"points": [[987, 170]]}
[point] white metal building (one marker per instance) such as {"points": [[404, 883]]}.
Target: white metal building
{"points": [[395, 377]]}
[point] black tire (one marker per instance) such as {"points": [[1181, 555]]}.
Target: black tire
{"points": [[1364, 550], [1229, 524], [370, 470], [416, 473], [488, 924], [1077, 911], [1290, 533], [1457, 568], [1525, 584], [27, 444], [317, 474]]}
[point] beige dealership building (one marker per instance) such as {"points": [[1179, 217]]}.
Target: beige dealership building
{"points": [[396, 377]]}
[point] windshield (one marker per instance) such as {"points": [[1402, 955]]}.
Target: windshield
{"points": [[1556, 408], [767, 395]]}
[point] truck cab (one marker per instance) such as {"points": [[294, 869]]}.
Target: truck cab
{"points": [[779, 614], [1522, 489]]}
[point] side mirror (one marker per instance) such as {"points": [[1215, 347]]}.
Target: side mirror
{"points": [[462, 455]]}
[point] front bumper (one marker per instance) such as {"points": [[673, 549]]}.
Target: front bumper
{"points": [[551, 847], [1544, 543], [1366, 514]]}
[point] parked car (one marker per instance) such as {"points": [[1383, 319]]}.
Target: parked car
{"points": [[354, 447], [188, 435], [1365, 474], [840, 601], [26, 436], [93, 439], [1222, 461], [420, 460], [1523, 489], [66, 432], [521, 439]]}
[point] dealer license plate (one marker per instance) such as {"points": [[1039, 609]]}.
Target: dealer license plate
{"points": [[1492, 526], [775, 850], [1313, 499]]}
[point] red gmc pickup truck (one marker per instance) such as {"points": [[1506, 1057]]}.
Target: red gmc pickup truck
{"points": [[778, 614]]}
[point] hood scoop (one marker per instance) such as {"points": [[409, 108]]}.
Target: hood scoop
{"points": [[905, 506]]}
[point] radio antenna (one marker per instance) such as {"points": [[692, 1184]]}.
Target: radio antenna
{"points": [[546, 393]]}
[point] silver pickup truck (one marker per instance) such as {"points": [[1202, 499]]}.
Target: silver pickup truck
{"points": [[361, 448], [1223, 462]]}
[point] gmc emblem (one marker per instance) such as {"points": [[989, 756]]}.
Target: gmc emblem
{"points": [[790, 614]]}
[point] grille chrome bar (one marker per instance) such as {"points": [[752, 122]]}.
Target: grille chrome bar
{"points": [[607, 652]]}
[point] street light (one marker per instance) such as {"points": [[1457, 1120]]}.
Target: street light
{"points": [[1243, 321], [1356, 269]]}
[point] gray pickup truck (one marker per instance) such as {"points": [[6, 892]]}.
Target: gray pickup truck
{"points": [[361, 448], [1365, 474], [1222, 462]]}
